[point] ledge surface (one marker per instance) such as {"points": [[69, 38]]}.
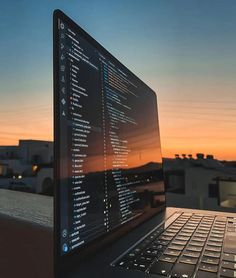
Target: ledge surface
{"points": [[34, 208]]}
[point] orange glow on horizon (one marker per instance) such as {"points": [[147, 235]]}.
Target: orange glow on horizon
{"points": [[185, 129], [223, 148], [209, 131], [31, 122]]}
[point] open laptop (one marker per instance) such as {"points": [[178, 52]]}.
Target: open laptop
{"points": [[110, 214]]}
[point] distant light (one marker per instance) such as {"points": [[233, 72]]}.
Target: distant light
{"points": [[35, 168], [20, 177], [14, 177]]}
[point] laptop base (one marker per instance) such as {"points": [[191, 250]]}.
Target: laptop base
{"points": [[104, 263]]}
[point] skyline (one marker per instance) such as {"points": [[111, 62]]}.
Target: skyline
{"points": [[184, 50]]}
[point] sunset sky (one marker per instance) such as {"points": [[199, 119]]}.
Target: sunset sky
{"points": [[184, 50]]}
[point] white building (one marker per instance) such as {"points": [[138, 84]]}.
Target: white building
{"points": [[195, 183], [27, 167]]}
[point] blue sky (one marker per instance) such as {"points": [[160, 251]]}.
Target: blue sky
{"points": [[184, 50]]}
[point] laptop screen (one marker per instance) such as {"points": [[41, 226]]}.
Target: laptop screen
{"points": [[108, 156]]}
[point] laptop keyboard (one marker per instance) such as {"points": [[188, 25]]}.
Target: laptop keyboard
{"points": [[194, 245]]}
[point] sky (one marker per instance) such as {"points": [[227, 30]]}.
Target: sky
{"points": [[184, 50]]}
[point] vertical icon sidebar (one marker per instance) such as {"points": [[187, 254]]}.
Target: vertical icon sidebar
{"points": [[63, 134], [62, 68]]}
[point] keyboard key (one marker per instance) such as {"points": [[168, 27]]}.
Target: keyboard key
{"points": [[168, 259], [189, 229], [152, 237], [191, 254], [158, 247], [181, 270], [161, 268], [213, 243], [172, 252], [171, 231], [215, 235], [200, 235], [229, 257], [167, 238], [189, 224], [229, 265], [203, 274], [219, 225], [201, 228], [179, 242], [213, 249], [162, 242], [187, 214], [207, 222], [131, 255], [143, 258], [221, 219], [200, 239], [196, 220], [140, 266], [218, 229], [203, 232], [196, 243], [206, 226], [169, 234], [185, 219], [215, 239], [208, 267], [180, 222], [176, 226], [176, 247], [227, 273], [151, 252], [208, 216], [156, 233], [137, 250], [217, 232], [210, 260], [187, 234], [184, 238], [145, 243], [125, 263], [212, 254], [194, 248], [188, 260]]}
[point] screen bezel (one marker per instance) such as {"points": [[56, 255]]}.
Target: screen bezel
{"points": [[64, 262]]}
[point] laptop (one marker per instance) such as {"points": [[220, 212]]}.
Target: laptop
{"points": [[110, 214]]}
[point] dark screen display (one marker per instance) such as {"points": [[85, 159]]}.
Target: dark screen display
{"points": [[109, 156]]}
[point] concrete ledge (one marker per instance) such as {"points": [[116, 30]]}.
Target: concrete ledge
{"points": [[26, 235], [33, 208]]}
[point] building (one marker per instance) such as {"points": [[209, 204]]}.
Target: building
{"points": [[194, 182], [27, 167], [36, 152]]}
